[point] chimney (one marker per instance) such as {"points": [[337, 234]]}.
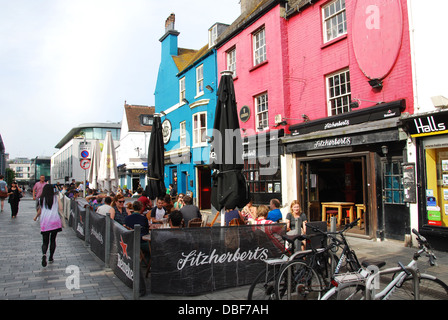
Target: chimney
{"points": [[169, 23], [247, 5]]}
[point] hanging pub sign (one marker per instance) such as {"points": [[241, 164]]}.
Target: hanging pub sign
{"points": [[244, 113], [427, 125]]}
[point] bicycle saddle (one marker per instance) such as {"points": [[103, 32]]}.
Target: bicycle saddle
{"points": [[379, 264]]}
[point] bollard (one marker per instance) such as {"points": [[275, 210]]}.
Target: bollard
{"points": [[107, 242], [136, 262], [333, 224], [298, 224]]}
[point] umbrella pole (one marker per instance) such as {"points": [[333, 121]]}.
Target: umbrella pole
{"points": [[214, 219]]}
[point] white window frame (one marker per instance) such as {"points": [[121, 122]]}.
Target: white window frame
{"points": [[212, 35], [338, 92], [261, 103], [200, 80], [259, 46], [334, 20], [199, 132], [182, 134], [182, 91], [231, 60]]}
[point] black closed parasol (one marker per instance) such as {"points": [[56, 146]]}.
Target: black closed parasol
{"points": [[155, 187], [229, 186]]}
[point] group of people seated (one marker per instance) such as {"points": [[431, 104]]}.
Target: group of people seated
{"points": [[267, 215]]}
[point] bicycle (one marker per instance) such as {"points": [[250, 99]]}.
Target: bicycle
{"points": [[407, 282], [308, 275]]}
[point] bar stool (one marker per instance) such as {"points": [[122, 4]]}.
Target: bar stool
{"points": [[360, 212], [331, 213]]}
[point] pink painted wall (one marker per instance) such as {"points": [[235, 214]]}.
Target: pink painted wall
{"points": [[268, 77], [298, 62], [311, 60]]}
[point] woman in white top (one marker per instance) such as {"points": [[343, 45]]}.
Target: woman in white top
{"points": [[50, 221]]}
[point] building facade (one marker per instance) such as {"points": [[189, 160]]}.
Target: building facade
{"points": [[185, 98], [22, 170], [66, 163], [324, 78], [132, 152]]}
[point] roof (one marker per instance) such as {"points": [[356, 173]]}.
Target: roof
{"points": [[246, 19], [76, 130], [133, 113], [187, 57]]}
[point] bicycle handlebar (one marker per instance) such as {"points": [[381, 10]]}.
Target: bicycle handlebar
{"points": [[426, 247]]}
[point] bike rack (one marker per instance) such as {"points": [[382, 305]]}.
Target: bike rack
{"points": [[370, 294]]}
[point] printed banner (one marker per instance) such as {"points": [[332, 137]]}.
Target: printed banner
{"points": [[192, 261], [80, 219], [97, 225], [121, 256]]}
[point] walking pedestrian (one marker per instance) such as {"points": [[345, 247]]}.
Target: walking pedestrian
{"points": [[37, 190], [14, 193], [50, 221], [3, 191]]}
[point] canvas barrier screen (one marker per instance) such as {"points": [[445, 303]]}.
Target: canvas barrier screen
{"points": [[97, 225], [192, 261]]}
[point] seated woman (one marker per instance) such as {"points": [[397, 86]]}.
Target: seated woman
{"points": [[262, 214], [296, 213]]}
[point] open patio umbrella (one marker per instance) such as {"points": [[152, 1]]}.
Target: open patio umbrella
{"points": [[155, 188], [94, 165], [107, 172], [229, 186]]}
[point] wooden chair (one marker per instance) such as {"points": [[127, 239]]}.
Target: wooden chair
{"points": [[236, 222], [196, 222]]}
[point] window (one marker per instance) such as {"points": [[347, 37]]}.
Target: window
{"points": [[259, 46], [335, 22], [261, 107], [200, 80], [393, 182], [339, 92], [146, 119], [212, 35], [231, 61], [182, 134], [181, 89], [262, 187], [199, 129]]}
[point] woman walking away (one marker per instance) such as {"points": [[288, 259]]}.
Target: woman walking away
{"points": [[14, 197], [50, 221]]}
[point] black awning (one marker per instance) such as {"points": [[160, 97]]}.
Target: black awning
{"points": [[378, 112]]}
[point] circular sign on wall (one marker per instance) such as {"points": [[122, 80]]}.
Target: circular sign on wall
{"points": [[244, 114], [166, 131], [377, 36]]}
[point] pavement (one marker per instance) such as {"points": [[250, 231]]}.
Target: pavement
{"points": [[23, 278]]}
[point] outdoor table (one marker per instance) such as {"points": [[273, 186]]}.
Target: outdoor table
{"points": [[339, 206]]}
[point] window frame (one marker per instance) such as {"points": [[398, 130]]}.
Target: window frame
{"points": [[344, 107], [231, 60], [327, 21], [261, 117], [259, 47], [200, 80], [182, 90], [182, 134], [199, 133]]}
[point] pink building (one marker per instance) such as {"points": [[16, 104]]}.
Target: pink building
{"points": [[330, 79]]}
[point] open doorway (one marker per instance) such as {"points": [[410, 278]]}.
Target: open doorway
{"points": [[335, 181]]}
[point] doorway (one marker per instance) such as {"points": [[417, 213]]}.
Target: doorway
{"points": [[204, 187], [334, 180]]}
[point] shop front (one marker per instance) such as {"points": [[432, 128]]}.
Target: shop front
{"points": [[351, 166], [430, 131]]}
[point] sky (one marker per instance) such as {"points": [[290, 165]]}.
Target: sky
{"points": [[68, 62]]}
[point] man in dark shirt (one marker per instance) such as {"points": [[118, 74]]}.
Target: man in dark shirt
{"points": [[136, 218], [189, 210]]}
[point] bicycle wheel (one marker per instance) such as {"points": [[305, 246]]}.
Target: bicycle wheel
{"points": [[263, 287], [430, 288], [351, 291], [297, 281]]}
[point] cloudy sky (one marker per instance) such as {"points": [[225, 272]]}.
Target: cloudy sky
{"points": [[68, 62]]}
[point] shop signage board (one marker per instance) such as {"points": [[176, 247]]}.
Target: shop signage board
{"points": [[427, 125]]}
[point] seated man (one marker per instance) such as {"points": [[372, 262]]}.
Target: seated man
{"points": [[175, 219], [275, 214], [137, 218], [189, 210]]}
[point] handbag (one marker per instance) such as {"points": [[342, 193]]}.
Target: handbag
{"points": [[3, 194]]}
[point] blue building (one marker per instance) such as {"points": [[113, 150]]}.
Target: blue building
{"points": [[185, 97]]}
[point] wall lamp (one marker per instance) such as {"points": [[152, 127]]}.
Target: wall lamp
{"points": [[384, 150], [185, 101], [305, 118], [356, 103], [376, 83], [209, 87]]}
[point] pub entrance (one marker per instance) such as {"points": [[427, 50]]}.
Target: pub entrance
{"points": [[329, 182]]}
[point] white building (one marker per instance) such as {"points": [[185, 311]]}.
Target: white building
{"points": [[132, 152], [65, 163], [22, 170]]}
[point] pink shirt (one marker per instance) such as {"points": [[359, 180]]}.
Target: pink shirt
{"points": [[263, 221], [38, 187]]}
